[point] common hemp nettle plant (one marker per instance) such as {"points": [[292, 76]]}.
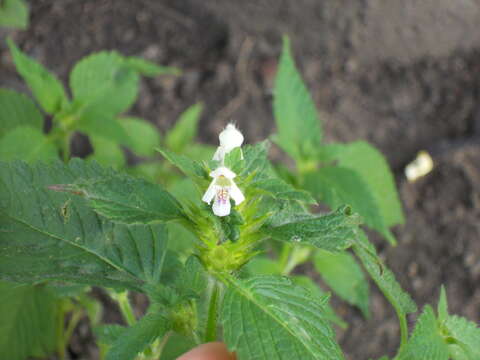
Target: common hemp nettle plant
{"points": [[213, 248]]}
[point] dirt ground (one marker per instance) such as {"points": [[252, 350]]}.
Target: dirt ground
{"points": [[403, 74]]}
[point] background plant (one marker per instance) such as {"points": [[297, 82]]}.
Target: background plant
{"points": [[128, 255], [13, 14]]}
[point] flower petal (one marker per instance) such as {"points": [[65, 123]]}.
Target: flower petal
{"points": [[222, 170], [221, 208], [236, 194], [210, 193], [230, 138], [219, 154]]}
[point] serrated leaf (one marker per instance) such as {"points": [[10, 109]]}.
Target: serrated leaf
{"points": [[185, 129], [38, 147], [14, 14], [255, 158], [18, 110], [148, 68], [344, 276], [442, 308], [462, 336], [467, 338], [199, 152], [143, 136], [125, 199], [136, 338], [108, 334], [281, 190], [107, 153], [271, 318], [299, 130], [53, 235], [371, 165], [383, 277], [426, 342], [104, 126], [310, 285], [176, 346], [263, 266], [29, 321], [336, 185], [335, 231], [189, 167], [44, 85], [103, 85], [193, 278]]}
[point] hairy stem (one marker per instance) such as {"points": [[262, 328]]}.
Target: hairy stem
{"points": [[402, 319], [211, 329], [161, 345], [125, 306], [72, 324], [284, 256], [66, 147]]}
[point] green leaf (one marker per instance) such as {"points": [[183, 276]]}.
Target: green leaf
{"points": [[14, 14], [199, 152], [125, 199], [271, 318], [442, 307], [29, 321], [53, 235], [108, 334], [371, 165], [143, 136], [467, 338], [263, 266], [299, 131], [255, 164], [45, 86], [38, 147], [315, 290], [103, 85], [336, 185], [104, 126], [185, 130], [426, 342], [18, 110], [148, 68], [279, 189], [107, 153], [461, 335], [335, 231], [189, 167], [136, 338], [342, 273], [383, 277], [177, 345]]}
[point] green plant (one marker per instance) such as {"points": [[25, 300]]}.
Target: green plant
{"points": [[215, 254], [13, 14]]}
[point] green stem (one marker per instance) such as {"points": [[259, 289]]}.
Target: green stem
{"points": [[285, 255], [66, 147], [290, 265], [72, 324], [211, 330], [125, 306], [61, 334], [161, 346], [402, 319]]}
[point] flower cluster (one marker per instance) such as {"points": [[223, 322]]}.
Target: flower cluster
{"points": [[222, 187]]}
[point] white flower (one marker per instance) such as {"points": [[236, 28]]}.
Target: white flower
{"points": [[221, 189], [230, 138]]}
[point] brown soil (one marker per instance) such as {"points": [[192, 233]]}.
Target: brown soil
{"points": [[404, 75]]}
